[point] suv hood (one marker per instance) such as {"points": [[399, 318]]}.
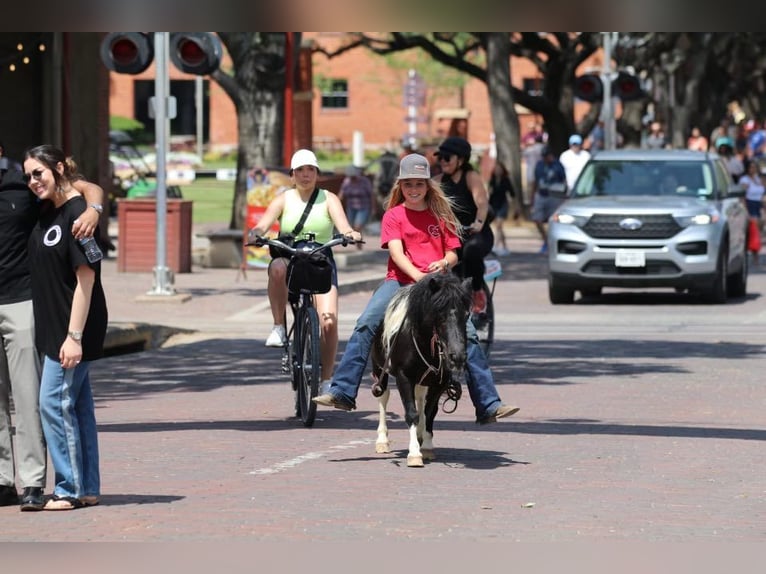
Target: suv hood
{"points": [[636, 203]]}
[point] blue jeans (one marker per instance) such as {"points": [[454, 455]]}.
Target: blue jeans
{"points": [[69, 423], [350, 371]]}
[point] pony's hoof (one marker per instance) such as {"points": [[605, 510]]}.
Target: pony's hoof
{"points": [[428, 454], [415, 461], [382, 447]]}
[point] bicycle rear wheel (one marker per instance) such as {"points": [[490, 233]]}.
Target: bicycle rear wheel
{"points": [[309, 365], [484, 323]]}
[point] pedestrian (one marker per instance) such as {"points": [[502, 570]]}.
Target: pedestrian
{"points": [[548, 191], [753, 182], [656, 139], [421, 232], [696, 141], [323, 212], [69, 300], [501, 193], [574, 159], [356, 196], [465, 190], [20, 374]]}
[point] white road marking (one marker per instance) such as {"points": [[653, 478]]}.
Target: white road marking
{"points": [[293, 462]]}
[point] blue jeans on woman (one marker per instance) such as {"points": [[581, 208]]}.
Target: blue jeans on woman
{"points": [[351, 369], [69, 424]]}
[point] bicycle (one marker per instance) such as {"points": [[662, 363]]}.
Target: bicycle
{"points": [[484, 323], [309, 272]]}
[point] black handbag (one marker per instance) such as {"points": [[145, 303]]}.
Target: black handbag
{"points": [[289, 238]]}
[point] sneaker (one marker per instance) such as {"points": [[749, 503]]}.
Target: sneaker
{"points": [[501, 251], [277, 337], [32, 499], [479, 302], [544, 248], [501, 412], [329, 400]]}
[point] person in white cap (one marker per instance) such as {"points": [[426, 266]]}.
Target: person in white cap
{"points": [[421, 232], [574, 159], [326, 213]]}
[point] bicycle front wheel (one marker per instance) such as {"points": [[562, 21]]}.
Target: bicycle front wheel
{"points": [[310, 365], [484, 323]]}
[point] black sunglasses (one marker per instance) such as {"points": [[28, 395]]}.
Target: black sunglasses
{"points": [[36, 174], [445, 156]]}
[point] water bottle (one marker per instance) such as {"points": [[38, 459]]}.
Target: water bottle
{"points": [[91, 248]]}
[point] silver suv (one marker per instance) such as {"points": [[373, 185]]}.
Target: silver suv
{"points": [[650, 218]]}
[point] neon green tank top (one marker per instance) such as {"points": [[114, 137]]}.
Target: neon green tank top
{"points": [[318, 221]]}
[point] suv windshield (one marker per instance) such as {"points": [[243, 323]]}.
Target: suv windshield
{"points": [[679, 178]]}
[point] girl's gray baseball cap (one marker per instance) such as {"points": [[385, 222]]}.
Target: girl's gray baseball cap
{"points": [[414, 166]]}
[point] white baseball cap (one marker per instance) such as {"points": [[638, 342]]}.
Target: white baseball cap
{"points": [[303, 157]]}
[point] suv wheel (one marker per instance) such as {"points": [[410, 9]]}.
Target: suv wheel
{"points": [[558, 294], [717, 292], [738, 281]]}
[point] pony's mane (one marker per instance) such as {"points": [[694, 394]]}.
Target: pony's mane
{"points": [[423, 304]]}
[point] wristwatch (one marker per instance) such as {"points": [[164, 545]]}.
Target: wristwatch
{"points": [[75, 335], [97, 206]]}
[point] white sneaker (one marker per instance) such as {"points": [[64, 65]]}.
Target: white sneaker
{"points": [[277, 337], [501, 251]]}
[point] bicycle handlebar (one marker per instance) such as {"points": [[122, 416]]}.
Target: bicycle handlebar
{"points": [[337, 239]]}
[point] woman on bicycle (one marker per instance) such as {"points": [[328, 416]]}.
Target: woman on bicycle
{"points": [[470, 200], [420, 231], [326, 213]]}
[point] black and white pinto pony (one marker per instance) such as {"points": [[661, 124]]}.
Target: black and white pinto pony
{"points": [[422, 344]]}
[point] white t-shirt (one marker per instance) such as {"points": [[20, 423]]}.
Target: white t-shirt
{"points": [[754, 190], [573, 164]]}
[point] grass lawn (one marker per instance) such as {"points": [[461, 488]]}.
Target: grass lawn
{"points": [[212, 200]]}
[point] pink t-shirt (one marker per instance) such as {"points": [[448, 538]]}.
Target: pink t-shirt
{"points": [[424, 237]]}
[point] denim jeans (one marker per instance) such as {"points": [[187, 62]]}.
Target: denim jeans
{"points": [[351, 369], [69, 423]]}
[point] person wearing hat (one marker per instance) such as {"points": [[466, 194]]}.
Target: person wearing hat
{"points": [[574, 159], [325, 215], [463, 185], [548, 188], [421, 232]]}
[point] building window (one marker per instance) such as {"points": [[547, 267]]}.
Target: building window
{"points": [[533, 86], [335, 95]]}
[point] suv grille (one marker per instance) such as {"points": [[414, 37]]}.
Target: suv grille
{"points": [[654, 227]]}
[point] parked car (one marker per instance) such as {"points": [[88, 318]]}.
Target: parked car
{"points": [[650, 218]]}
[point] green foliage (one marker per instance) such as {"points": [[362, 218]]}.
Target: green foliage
{"points": [[134, 128]]}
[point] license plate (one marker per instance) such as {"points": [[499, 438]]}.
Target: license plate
{"points": [[625, 258]]}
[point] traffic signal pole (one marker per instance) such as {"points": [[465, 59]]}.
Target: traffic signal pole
{"points": [[610, 128], [163, 277]]}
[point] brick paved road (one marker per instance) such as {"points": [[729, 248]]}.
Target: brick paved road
{"points": [[642, 419]]}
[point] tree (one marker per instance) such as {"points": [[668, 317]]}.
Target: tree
{"points": [[256, 85], [486, 57]]}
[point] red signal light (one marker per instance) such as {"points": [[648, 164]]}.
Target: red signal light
{"points": [[197, 53], [127, 52], [588, 88]]}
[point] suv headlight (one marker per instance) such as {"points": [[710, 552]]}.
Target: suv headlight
{"points": [[569, 219], [712, 216]]}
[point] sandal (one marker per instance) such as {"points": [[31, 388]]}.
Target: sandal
{"points": [[63, 503], [91, 500]]}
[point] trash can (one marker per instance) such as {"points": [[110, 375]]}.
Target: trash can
{"points": [[137, 235]]}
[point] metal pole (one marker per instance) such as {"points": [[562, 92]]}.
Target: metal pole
{"points": [[163, 278], [198, 100], [606, 81]]}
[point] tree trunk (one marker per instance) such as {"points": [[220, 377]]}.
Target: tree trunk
{"points": [[257, 90], [505, 120]]}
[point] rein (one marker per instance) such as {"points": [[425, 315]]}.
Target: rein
{"points": [[431, 369]]}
